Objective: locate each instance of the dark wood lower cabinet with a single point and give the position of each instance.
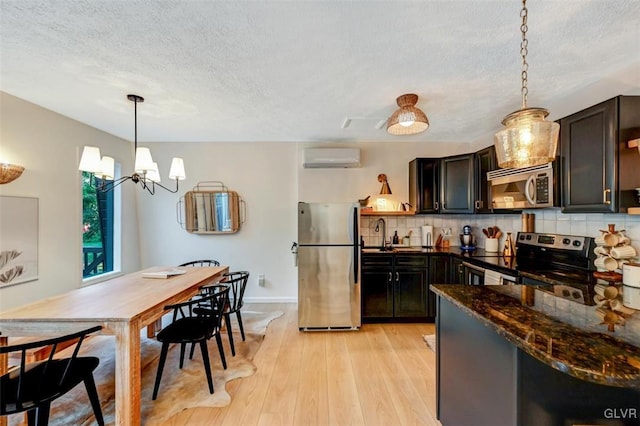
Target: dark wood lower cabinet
(377, 286)
(410, 293)
(395, 288)
(456, 271)
(439, 273)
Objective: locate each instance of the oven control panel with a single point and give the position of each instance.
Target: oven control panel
(553, 241)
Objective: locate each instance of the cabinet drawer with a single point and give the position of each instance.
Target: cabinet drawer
(377, 260)
(420, 261)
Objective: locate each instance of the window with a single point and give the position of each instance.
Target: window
(98, 219)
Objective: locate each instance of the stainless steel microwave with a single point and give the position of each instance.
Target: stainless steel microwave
(526, 188)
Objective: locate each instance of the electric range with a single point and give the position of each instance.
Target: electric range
(558, 264)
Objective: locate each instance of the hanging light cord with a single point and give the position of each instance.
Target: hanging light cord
(135, 127)
(524, 44)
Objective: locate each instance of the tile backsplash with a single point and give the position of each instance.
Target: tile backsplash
(546, 220)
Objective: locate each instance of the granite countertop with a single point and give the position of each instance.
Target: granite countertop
(591, 356)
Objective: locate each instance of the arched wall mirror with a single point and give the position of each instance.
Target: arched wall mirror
(210, 208)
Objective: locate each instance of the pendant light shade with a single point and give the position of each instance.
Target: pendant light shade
(90, 160)
(408, 119)
(528, 139)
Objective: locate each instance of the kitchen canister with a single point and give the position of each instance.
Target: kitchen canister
(631, 285)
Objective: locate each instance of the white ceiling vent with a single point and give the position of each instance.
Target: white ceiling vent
(331, 158)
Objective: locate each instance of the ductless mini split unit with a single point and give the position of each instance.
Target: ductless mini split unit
(331, 158)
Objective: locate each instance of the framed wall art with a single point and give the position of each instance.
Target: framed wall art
(18, 240)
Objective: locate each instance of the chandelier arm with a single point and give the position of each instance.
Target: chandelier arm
(151, 189)
(104, 187)
(167, 189)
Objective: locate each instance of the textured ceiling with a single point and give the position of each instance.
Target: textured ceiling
(295, 70)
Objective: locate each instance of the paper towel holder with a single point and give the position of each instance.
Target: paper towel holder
(427, 236)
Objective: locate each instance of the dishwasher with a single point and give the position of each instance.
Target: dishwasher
(481, 275)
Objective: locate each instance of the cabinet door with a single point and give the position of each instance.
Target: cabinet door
(410, 292)
(457, 271)
(423, 184)
(588, 148)
(377, 293)
(457, 184)
(485, 161)
(439, 273)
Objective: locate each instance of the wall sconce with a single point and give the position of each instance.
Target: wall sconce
(385, 185)
(634, 143)
(9, 172)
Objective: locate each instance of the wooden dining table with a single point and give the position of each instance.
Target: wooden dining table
(122, 306)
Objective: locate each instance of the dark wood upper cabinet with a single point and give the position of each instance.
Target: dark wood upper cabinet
(599, 173)
(424, 178)
(486, 161)
(457, 184)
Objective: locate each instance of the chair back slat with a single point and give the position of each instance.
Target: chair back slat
(205, 262)
(238, 283)
(31, 384)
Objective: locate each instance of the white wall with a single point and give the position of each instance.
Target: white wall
(48, 145)
(264, 175)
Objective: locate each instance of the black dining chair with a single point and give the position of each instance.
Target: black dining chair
(194, 321)
(201, 263)
(31, 387)
(237, 282)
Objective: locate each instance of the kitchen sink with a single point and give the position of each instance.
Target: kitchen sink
(407, 249)
(375, 250)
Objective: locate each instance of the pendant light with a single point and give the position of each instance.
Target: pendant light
(145, 169)
(407, 120)
(527, 139)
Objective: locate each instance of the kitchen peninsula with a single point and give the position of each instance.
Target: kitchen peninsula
(507, 363)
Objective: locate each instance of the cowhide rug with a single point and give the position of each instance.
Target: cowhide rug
(430, 340)
(179, 389)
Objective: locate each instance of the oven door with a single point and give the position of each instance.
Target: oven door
(473, 274)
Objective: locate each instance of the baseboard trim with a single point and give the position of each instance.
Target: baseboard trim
(270, 300)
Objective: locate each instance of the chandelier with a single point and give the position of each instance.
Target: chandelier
(145, 169)
(407, 120)
(527, 139)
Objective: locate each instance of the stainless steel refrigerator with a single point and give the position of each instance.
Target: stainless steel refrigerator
(328, 266)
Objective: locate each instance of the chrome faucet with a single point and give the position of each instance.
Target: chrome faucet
(384, 231)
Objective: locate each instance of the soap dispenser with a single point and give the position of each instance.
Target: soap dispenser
(396, 238)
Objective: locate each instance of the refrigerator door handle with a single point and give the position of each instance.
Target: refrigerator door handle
(355, 264)
(356, 247)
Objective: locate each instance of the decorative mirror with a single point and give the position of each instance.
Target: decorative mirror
(210, 208)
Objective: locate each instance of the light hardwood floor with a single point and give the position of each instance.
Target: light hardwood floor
(381, 375)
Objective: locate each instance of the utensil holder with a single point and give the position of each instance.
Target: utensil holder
(491, 245)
